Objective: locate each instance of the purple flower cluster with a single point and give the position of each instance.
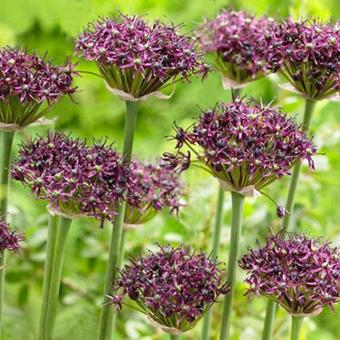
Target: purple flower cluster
(138, 58)
(152, 188)
(173, 286)
(73, 177)
(301, 274)
(308, 55)
(244, 144)
(9, 239)
(240, 42)
(26, 81)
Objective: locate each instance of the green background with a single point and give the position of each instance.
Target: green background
(44, 25)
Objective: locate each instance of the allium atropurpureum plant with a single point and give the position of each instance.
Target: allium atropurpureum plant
(152, 188)
(173, 287)
(9, 239)
(29, 85)
(301, 274)
(136, 58)
(246, 147)
(307, 54)
(239, 43)
(77, 180)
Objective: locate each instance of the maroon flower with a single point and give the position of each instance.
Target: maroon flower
(139, 58)
(239, 42)
(301, 274)
(27, 83)
(244, 145)
(73, 177)
(9, 239)
(308, 55)
(173, 287)
(152, 187)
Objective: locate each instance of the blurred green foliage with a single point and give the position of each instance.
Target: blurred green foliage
(46, 25)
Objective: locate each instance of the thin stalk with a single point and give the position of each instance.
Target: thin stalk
(296, 327)
(116, 247)
(236, 226)
(174, 337)
(6, 148)
(309, 108)
(271, 306)
(269, 320)
(214, 253)
(58, 230)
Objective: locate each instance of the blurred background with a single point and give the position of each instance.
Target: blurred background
(45, 25)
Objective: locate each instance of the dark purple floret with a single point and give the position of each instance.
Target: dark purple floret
(300, 273)
(26, 83)
(240, 42)
(244, 144)
(73, 177)
(152, 187)
(139, 58)
(9, 239)
(173, 286)
(281, 211)
(308, 55)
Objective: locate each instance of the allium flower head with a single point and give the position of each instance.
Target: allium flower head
(245, 145)
(137, 58)
(308, 54)
(301, 274)
(173, 286)
(73, 177)
(9, 239)
(152, 187)
(239, 42)
(29, 85)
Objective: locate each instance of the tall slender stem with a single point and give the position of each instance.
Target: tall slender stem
(174, 337)
(271, 306)
(309, 108)
(236, 226)
(269, 320)
(296, 327)
(214, 253)
(58, 230)
(5, 159)
(107, 312)
(52, 234)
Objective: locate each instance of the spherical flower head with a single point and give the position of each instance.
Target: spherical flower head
(173, 286)
(152, 188)
(29, 85)
(74, 178)
(308, 55)
(138, 58)
(245, 145)
(299, 273)
(9, 239)
(239, 42)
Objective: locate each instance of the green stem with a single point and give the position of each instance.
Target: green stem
(269, 320)
(174, 337)
(296, 327)
(235, 93)
(58, 229)
(214, 253)
(116, 247)
(309, 108)
(52, 234)
(6, 148)
(236, 226)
